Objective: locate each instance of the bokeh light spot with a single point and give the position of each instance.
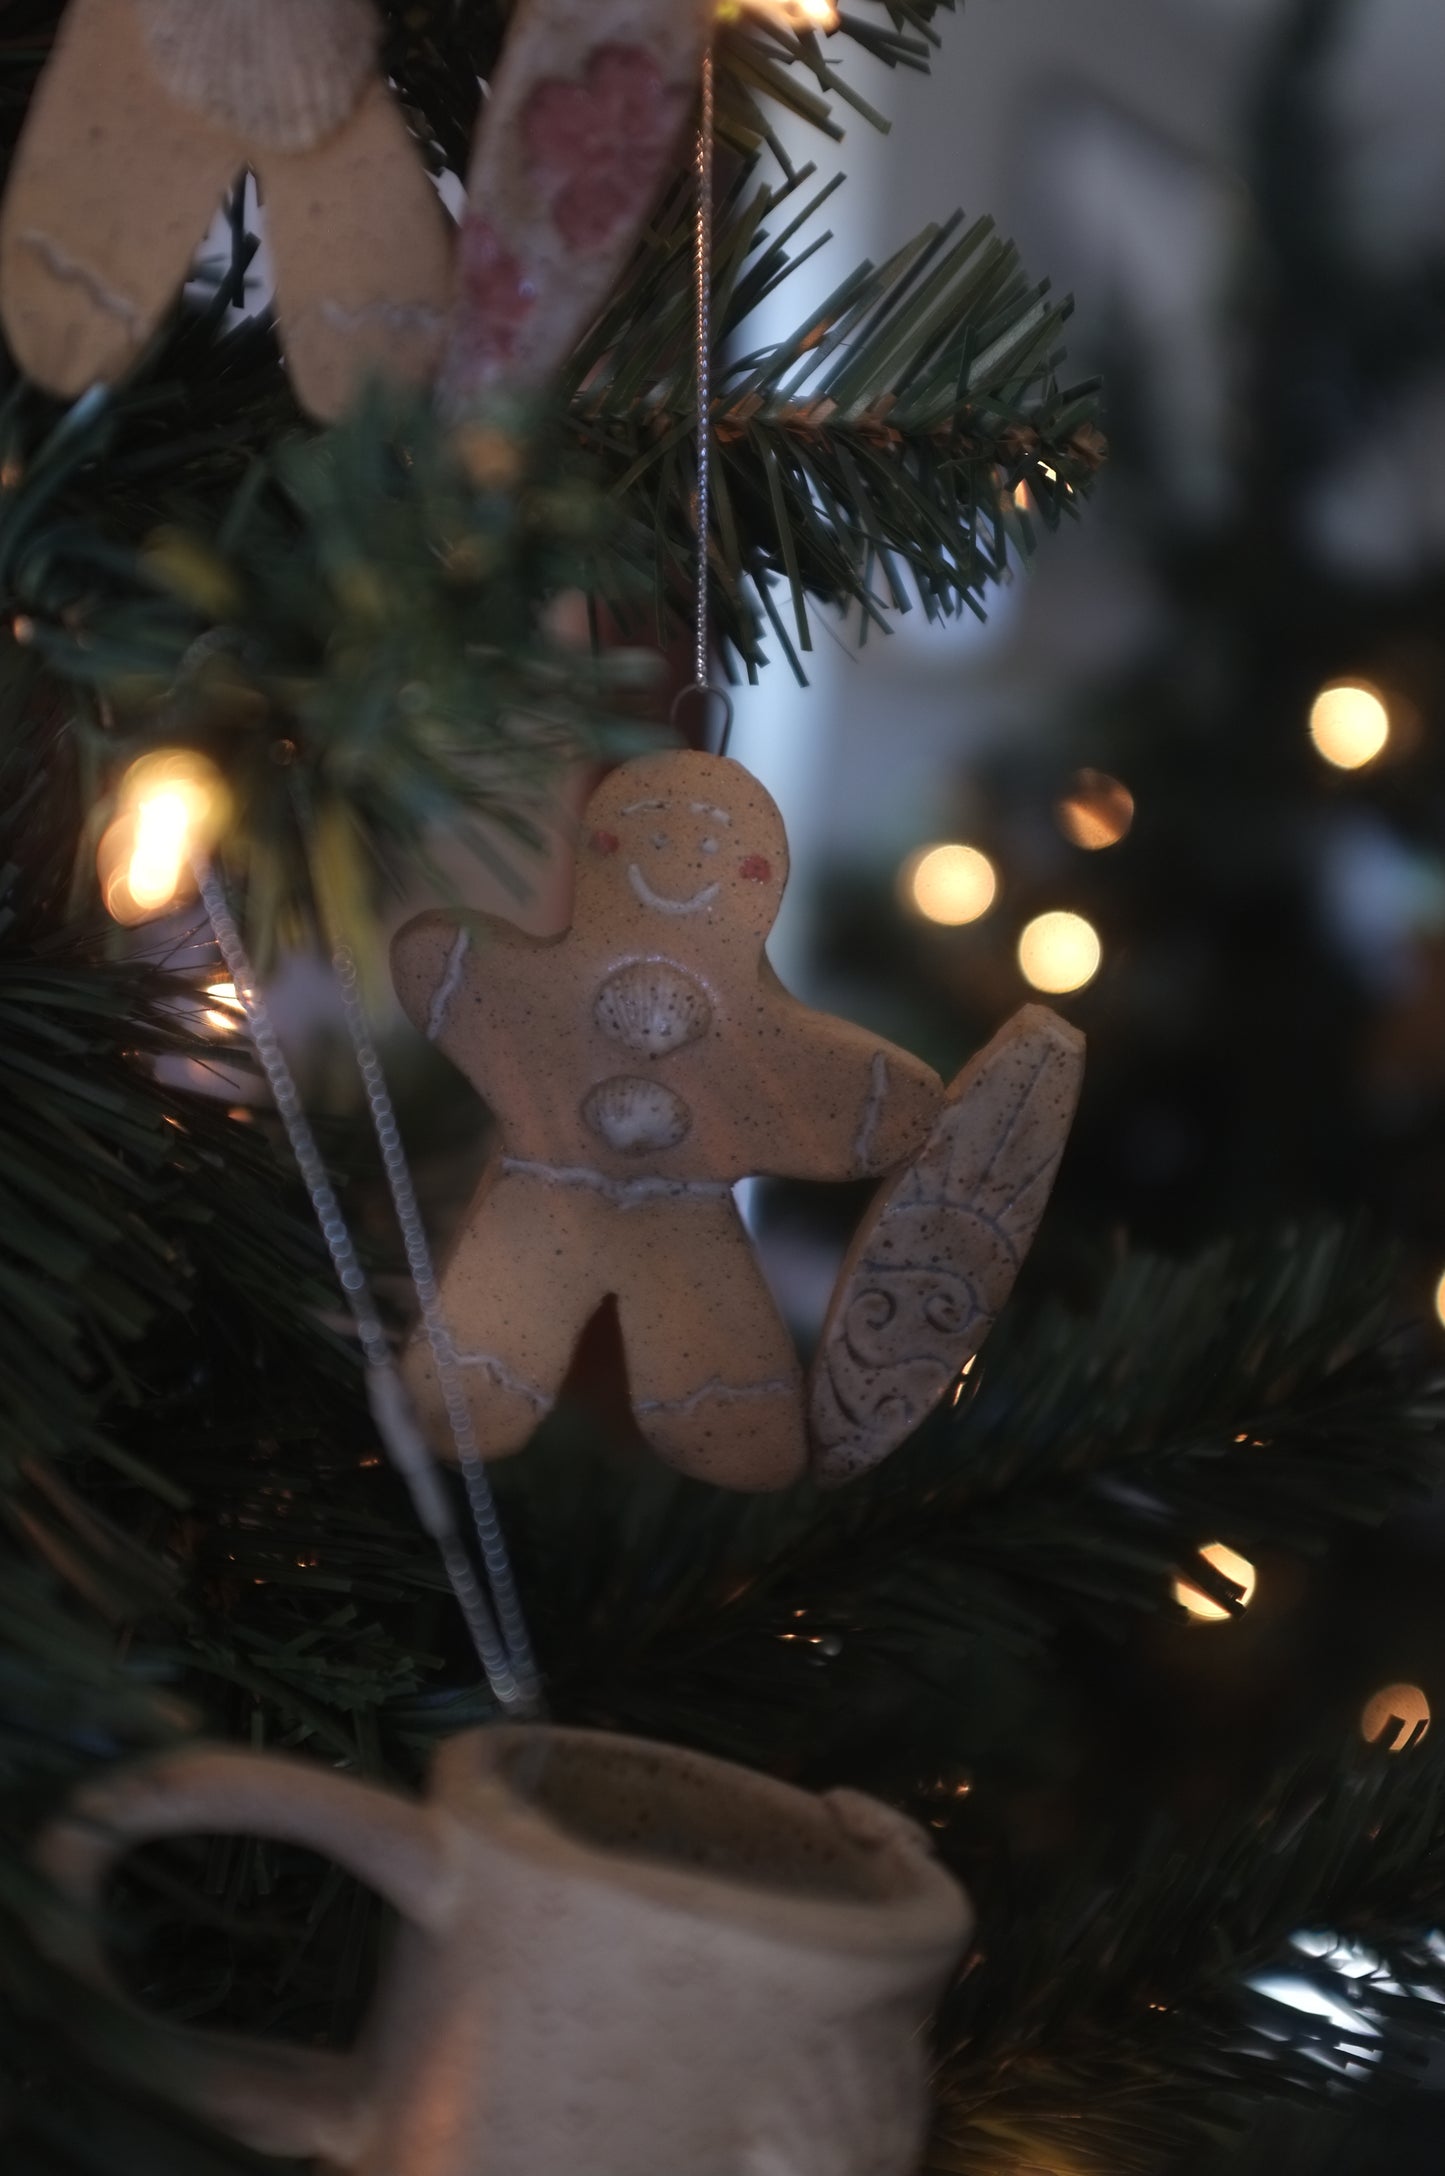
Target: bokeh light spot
(172, 804)
(1395, 1716)
(788, 14)
(1233, 1566)
(1096, 812)
(1349, 724)
(1059, 952)
(950, 884)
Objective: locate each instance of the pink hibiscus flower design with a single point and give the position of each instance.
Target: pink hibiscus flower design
(599, 147)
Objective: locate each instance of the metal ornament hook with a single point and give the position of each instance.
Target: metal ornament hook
(703, 692)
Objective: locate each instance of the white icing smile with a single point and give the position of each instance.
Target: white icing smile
(664, 905)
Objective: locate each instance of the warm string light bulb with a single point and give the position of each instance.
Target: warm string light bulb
(172, 805)
(785, 14)
(1440, 1302)
(225, 1013)
(950, 884)
(1234, 1567)
(1402, 1710)
(1059, 952)
(158, 854)
(1349, 724)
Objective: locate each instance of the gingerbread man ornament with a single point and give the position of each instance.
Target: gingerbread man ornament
(147, 112)
(637, 1067)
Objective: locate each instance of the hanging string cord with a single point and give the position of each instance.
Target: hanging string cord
(702, 234)
(702, 292)
(700, 686)
(387, 1395)
(490, 1538)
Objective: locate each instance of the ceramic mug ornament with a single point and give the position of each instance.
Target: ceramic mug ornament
(612, 1955)
(146, 114)
(644, 1061)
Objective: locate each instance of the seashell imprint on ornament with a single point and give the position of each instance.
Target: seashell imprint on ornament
(146, 114)
(283, 76)
(651, 1007)
(634, 1116)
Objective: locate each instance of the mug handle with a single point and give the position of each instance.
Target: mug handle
(277, 2099)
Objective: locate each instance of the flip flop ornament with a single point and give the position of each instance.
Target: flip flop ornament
(579, 135)
(146, 114)
(149, 111)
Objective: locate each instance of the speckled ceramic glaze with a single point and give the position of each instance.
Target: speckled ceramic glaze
(637, 1067)
(145, 116)
(614, 1957)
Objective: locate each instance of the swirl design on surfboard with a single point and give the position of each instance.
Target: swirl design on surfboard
(937, 1255)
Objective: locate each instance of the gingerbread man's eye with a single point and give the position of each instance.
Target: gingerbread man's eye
(756, 868)
(604, 842)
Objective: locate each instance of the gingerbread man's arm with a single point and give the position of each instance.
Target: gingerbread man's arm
(437, 958)
(834, 1101)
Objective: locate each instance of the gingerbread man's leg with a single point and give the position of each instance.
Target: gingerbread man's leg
(715, 1383)
(521, 1284)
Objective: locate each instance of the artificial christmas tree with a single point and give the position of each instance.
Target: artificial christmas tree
(293, 659)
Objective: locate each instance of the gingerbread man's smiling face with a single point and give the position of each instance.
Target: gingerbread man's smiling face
(682, 842)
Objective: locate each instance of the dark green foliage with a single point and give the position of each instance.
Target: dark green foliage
(1246, 1396)
(351, 627)
(349, 622)
(197, 1531)
(764, 66)
(872, 452)
(841, 1638)
(1094, 2041)
(123, 1203)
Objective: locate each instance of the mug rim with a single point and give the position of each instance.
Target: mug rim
(928, 1913)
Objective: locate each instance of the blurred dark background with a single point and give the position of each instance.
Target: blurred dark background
(1189, 780)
